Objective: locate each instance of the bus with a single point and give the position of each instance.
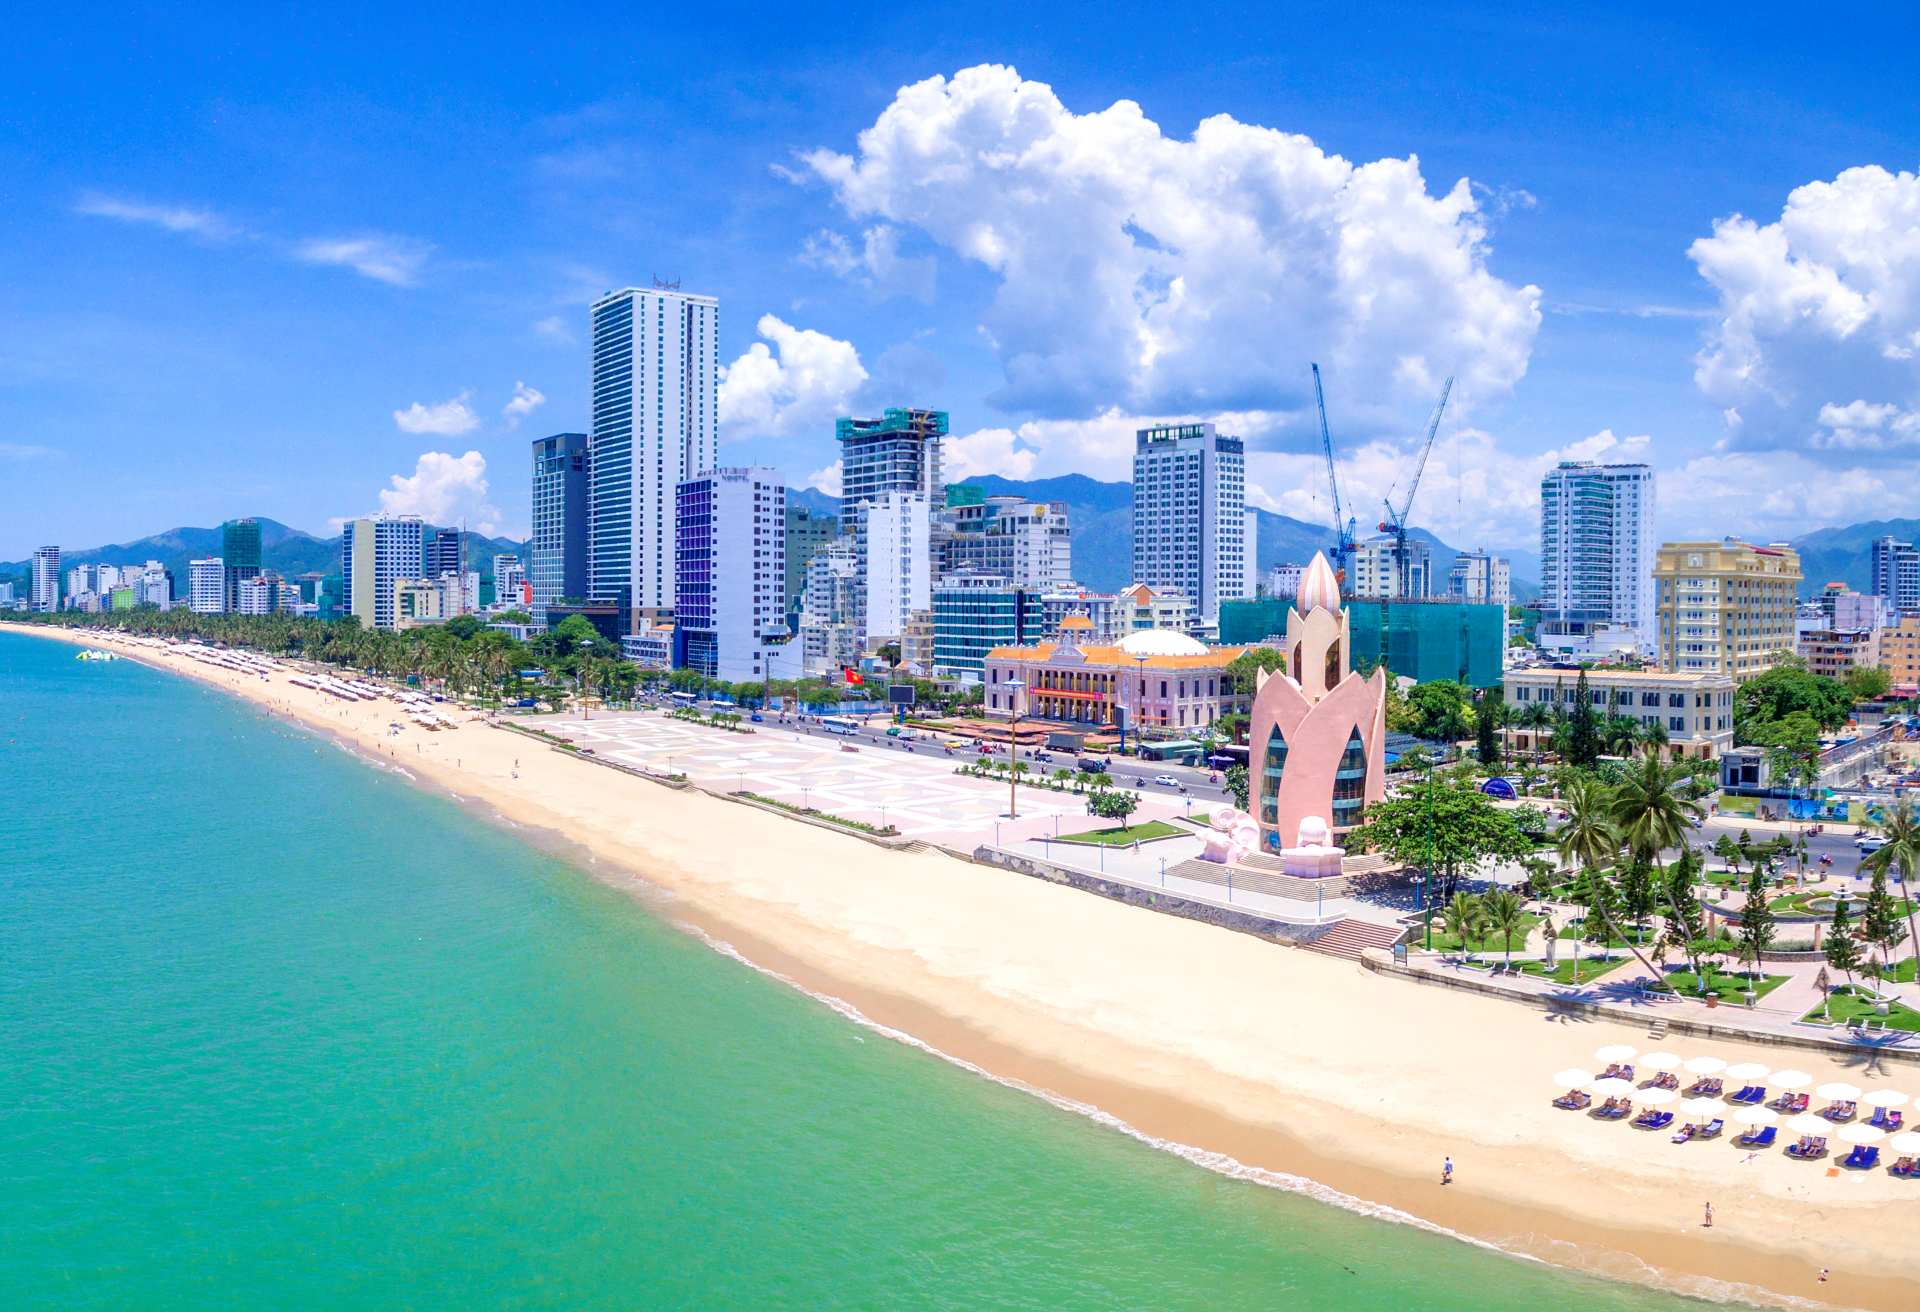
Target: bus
(840, 724)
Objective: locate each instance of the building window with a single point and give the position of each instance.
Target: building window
(1350, 783)
(1275, 768)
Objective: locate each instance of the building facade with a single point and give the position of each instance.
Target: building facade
(1162, 684)
(44, 587)
(557, 550)
(1028, 543)
(1694, 710)
(1900, 654)
(376, 552)
(896, 453)
(730, 566)
(893, 541)
(1725, 607)
(240, 549)
(1189, 514)
(443, 553)
(655, 405)
(975, 613)
(1374, 568)
(1895, 571)
(1478, 576)
(207, 586)
(509, 581)
(808, 531)
(1597, 551)
(1833, 652)
(829, 615)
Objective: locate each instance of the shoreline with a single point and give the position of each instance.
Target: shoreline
(1194, 1039)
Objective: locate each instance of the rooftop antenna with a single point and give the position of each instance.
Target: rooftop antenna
(665, 284)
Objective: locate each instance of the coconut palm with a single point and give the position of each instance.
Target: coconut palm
(1902, 853)
(1653, 815)
(1592, 838)
(1506, 916)
(1464, 918)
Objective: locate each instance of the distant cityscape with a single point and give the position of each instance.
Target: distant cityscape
(684, 563)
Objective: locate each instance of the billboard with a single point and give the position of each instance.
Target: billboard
(899, 694)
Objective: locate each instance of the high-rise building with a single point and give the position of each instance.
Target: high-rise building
(375, 552)
(1477, 576)
(1895, 571)
(830, 611)
(207, 585)
(45, 594)
(1189, 514)
(1725, 607)
(807, 532)
(558, 552)
(240, 549)
(263, 594)
(1596, 551)
(892, 536)
(656, 400)
(1028, 543)
(975, 613)
(1374, 568)
(509, 581)
(1900, 655)
(82, 579)
(154, 586)
(898, 452)
(443, 553)
(730, 566)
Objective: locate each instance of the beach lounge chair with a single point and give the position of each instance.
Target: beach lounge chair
(1760, 1138)
(1574, 1100)
(1615, 1109)
(1685, 1133)
(1811, 1147)
(1906, 1168)
(1789, 1103)
(1884, 1119)
(1712, 1129)
(1666, 1080)
(1864, 1157)
(1840, 1112)
(1706, 1087)
(1752, 1093)
(1650, 1119)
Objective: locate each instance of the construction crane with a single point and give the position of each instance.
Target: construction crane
(1343, 525)
(1396, 521)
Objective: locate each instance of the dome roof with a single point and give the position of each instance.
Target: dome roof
(1319, 586)
(1162, 642)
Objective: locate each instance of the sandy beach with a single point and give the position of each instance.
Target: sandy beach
(1282, 1060)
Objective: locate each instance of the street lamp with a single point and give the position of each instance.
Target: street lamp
(1139, 701)
(1014, 688)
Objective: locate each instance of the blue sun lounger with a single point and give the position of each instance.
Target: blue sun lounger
(1750, 1095)
(1760, 1138)
(1864, 1157)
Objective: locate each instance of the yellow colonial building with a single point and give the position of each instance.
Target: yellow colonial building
(1725, 607)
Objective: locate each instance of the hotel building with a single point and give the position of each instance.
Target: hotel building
(1596, 552)
(1696, 710)
(1725, 607)
(207, 585)
(376, 552)
(1189, 514)
(730, 570)
(557, 564)
(45, 585)
(898, 452)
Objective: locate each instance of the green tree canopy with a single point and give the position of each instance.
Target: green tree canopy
(1782, 691)
(1441, 709)
(1865, 683)
(1444, 824)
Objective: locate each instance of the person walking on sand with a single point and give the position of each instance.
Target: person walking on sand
(1708, 1223)
(1446, 1171)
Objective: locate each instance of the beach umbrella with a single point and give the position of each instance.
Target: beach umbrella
(1573, 1078)
(1615, 1052)
(1750, 1071)
(1907, 1141)
(1659, 1061)
(1886, 1098)
(1756, 1116)
(1707, 1107)
(1655, 1097)
(1859, 1134)
(1839, 1091)
(1613, 1088)
(1707, 1065)
(1791, 1080)
(1808, 1123)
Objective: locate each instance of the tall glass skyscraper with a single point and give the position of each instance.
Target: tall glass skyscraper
(240, 552)
(558, 549)
(656, 400)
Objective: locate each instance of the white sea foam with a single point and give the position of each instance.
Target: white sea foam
(1701, 1287)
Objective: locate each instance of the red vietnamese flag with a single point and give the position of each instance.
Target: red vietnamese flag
(852, 675)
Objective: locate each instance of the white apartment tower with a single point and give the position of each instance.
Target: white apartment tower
(207, 585)
(894, 543)
(1477, 576)
(375, 553)
(730, 565)
(1597, 551)
(1190, 514)
(655, 399)
(45, 595)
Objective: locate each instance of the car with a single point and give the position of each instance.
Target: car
(1166, 781)
(1870, 842)
(894, 732)
(758, 718)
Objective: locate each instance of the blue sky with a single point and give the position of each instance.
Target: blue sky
(276, 268)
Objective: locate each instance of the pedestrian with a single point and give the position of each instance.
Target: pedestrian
(1446, 1171)
(1708, 1223)
(1823, 1275)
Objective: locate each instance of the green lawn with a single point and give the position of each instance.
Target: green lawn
(1145, 832)
(1489, 944)
(1591, 968)
(1729, 985)
(1797, 902)
(1844, 1005)
(1200, 818)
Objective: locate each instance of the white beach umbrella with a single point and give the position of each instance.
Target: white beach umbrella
(1839, 1091)
(1707, 1107)
(1907, 1141)
(1659, 1061)
(1756, 1116)
(1886, 1098)
(1859, 1134)
(1808, 1123)
(1573, 1078)
(1613, 1088)
(1747, 1070)
(1615, 1052)
(1656, 1097)
(1790, 1080)
(1707, 1065)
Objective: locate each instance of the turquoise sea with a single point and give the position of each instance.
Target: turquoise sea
(279, 1030)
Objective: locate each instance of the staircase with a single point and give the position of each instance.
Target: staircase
(1349, 938)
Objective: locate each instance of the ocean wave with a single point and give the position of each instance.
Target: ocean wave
(1646, 1275)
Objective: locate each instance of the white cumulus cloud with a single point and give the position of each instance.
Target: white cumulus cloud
(795, 381)
(446, 419)
(825, 480)
(1817, 333)
(1161, 274)
(524, 402)
(444, 489)
(397, 261)
(174, 218)
(878, 264)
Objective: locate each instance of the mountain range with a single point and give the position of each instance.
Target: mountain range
(288, 551)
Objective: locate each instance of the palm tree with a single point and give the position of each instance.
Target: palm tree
(1536, 717)
(1902, 853)
(1463, 917)
(1654, 737)
(1591, 838)
(1505, 916)
(1653, 816)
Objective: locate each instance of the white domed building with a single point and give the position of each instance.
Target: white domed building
(1160, 681)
